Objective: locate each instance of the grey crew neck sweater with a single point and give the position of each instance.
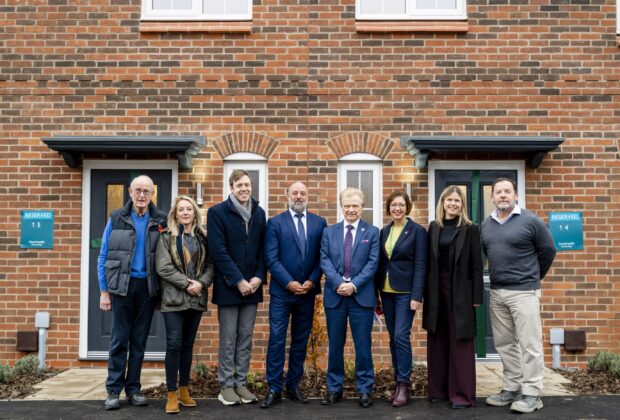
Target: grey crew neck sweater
(520, 251)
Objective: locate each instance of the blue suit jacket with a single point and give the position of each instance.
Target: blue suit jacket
(363, 264)
(283, 253)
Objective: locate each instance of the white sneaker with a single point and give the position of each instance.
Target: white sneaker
(228, 396)
(527, 404)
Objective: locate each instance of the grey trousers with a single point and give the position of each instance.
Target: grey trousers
(236, 328)
(517, 334)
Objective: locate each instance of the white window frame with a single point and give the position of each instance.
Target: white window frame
(88, 166)
(459, 13)
(363, 162)
(618, 17)
(248, 162)
(195, 13)
(484, 165)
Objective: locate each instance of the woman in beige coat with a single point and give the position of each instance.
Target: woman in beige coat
(185, 272)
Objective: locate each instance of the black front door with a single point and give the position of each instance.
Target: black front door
(108, 192)
(476, 185)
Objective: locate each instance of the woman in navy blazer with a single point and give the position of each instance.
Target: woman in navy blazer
(400, 283)
(453, 290)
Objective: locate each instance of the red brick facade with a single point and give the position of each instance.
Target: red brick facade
(303, 89)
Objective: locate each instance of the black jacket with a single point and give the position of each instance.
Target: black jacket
(466, 269)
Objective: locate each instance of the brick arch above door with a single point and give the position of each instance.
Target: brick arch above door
(247, 141)
(355, 142)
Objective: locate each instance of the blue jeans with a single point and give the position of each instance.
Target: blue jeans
(360, 320)
(301, 311)
(181, 329)
(131, 323)
(398, 319)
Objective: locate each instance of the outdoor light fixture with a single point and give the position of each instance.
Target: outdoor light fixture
(199, 199)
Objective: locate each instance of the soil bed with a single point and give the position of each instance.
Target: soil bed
(312, 384)
(586, 382)
(23, 385)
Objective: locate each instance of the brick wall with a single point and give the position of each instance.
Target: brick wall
(303, 89)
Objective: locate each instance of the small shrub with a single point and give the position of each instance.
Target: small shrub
(5, 374)
(253, 381)
(28, 365)
(614, 367)
(602, 361)
(202, 370)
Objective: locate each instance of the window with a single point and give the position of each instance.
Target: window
(256, 166)
(363, 171)
(410, 9)
(218, 10)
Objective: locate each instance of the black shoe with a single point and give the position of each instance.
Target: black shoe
(137, 399)
(296, 395)
(459, 405)
(331, 398)
(112, 402)
(365, 399)
(271, 399)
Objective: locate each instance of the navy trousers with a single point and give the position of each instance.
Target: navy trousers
(360, 320)
(398, 319)
(131, 323)
(300, 310)
(181, 329)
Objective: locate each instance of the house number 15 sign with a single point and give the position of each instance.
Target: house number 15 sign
(37, 230)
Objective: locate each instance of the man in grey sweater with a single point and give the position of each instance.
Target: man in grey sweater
(520, 251)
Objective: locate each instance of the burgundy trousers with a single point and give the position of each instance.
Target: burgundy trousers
(451, 362)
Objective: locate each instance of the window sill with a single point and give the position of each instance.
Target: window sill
(210, 27)
(412, 26)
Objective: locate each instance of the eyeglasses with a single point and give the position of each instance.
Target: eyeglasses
(139, 192)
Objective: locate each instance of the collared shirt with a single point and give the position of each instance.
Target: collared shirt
(515, 210)
(303, 220)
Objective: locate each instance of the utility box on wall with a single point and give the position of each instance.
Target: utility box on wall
(575, 340)
(27, 341)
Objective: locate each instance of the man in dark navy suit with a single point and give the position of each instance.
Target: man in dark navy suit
(292, 251)
(349, 258)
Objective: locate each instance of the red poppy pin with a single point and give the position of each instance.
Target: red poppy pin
(160, 228)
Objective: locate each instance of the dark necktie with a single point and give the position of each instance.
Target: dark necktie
(348, 252)
(302, 233)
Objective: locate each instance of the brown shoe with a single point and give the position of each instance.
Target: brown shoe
(402, 395)
(184, 399)
(172, 405)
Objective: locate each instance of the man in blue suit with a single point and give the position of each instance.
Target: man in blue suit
(292, 251)
(349, 258)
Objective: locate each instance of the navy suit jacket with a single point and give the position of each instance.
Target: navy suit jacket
(363, 265)
(283, 252)
(407, 267)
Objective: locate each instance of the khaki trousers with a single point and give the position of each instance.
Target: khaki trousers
(517, 334)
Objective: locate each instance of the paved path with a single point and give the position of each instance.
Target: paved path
(89, 384)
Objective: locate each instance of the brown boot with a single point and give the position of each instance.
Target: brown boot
(184, 399)
(402, 395)
(172, 405)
